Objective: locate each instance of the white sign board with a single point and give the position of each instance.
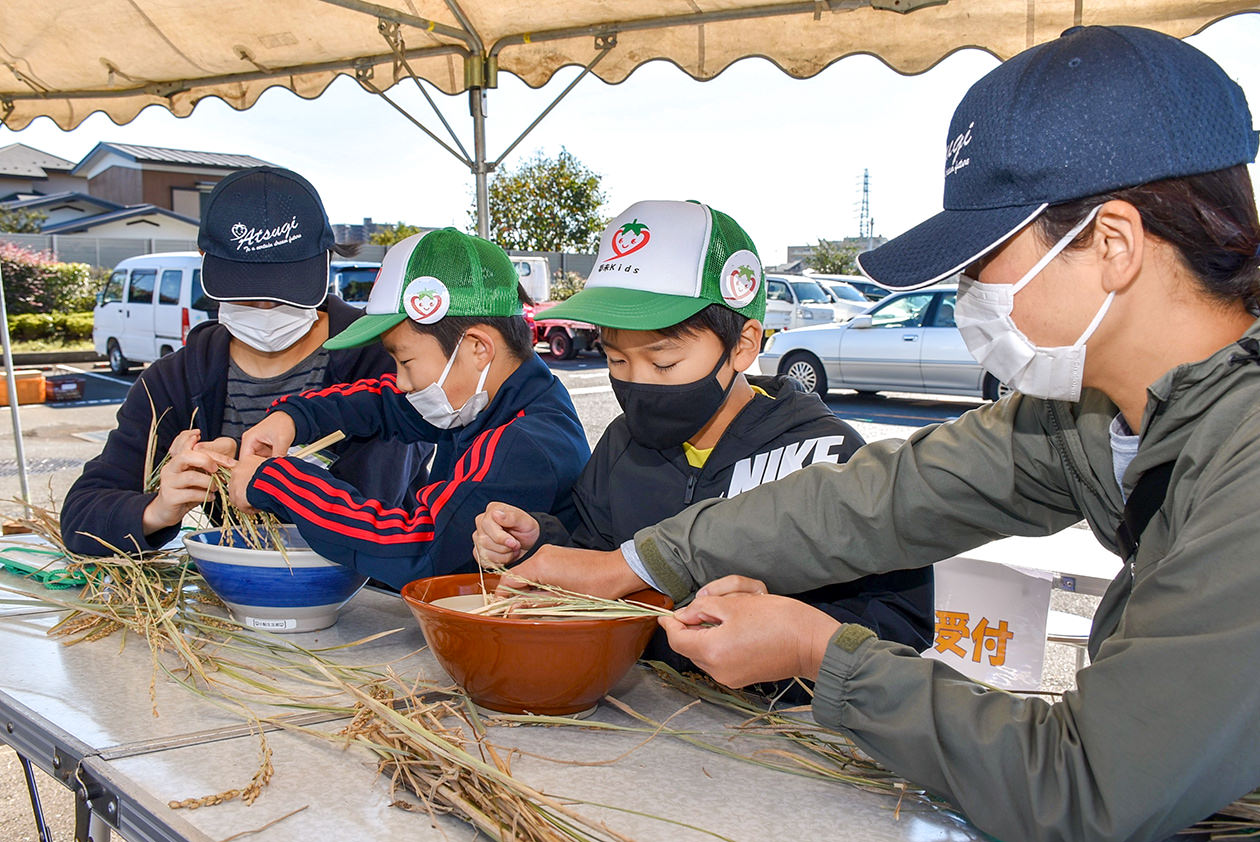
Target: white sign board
(991, 621)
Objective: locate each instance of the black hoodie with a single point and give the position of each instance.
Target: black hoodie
(627, 486)
(108, 500)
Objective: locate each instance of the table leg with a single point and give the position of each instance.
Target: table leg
(40, 825)
(88, 826)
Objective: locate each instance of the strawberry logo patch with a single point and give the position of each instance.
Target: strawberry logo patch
(426, 300)
(628, 239)
(740, 279)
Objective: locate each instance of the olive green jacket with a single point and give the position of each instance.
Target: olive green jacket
(1164, 727)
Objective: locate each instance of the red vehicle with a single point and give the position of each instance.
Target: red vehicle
(564, 337)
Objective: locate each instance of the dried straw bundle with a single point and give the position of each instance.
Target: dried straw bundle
(538, 600)
(437, 751)
(559, 604)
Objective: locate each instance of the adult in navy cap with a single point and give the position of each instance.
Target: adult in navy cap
(1099, 208)
(266, 244)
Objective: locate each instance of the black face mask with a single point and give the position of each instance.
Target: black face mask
(664, 416)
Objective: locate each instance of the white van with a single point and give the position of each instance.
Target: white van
(535, 275)
(147, 307)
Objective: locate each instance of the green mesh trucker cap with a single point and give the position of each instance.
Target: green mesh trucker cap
(661, 262)
(427, 277)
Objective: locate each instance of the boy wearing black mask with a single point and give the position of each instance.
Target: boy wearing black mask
(679, 292)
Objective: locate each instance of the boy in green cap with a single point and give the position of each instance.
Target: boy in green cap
(447, 307)
(679, 292)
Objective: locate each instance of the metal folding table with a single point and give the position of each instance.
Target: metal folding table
(83, 714)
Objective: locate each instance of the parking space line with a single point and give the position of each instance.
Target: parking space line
(118, 380)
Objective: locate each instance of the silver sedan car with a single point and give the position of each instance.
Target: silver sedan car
(906, 343)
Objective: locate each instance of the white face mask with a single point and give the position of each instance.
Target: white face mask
(983, 315)
(435, 407)
(270, 329)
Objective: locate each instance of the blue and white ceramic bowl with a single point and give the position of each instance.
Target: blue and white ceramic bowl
(265, 590)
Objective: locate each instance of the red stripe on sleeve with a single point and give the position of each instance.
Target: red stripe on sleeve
(478, 466)
(340, 528)
(389, 519)
(292, 469)
(494, 442)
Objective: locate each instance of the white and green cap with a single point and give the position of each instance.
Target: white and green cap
(661, 262)
(427, 277)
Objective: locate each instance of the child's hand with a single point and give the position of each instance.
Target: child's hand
(504, 534)
(242, 475)
(184, 481)
(743, 638)
(603, 574)
(272, 436)
(225, 445)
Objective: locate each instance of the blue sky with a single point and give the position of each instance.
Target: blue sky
(783, 156)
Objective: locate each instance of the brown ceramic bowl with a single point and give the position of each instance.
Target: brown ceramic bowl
(549, 667)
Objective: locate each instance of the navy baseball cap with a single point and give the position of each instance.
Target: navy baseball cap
(1098, 109)
(266, 237)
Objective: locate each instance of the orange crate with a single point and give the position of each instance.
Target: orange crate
(30, 386)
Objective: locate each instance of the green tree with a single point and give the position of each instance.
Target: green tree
(828, 258)
(390, 234)
(22, 221)
(546, 204)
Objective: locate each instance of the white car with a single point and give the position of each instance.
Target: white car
(863, 284)
(795, 300)
(906, 343)
(848, 301)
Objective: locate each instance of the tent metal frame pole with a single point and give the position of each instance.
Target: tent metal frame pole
(477, 106)
(371, 86)
(814, 7)
(479, 164)
(11, 382)
(605, 48)
(423, 24)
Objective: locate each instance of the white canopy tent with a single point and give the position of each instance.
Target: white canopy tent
(65, 59)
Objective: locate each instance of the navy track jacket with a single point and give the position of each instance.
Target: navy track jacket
(190, 387)
(526, 448)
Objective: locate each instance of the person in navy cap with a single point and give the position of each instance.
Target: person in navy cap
(1098, 206)
(266, 243)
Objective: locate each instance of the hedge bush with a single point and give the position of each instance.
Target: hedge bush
(35, 283)
(62, 327)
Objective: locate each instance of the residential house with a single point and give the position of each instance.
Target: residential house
(26, 171)
(130, 222)
(176, 180)
(120, 200)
